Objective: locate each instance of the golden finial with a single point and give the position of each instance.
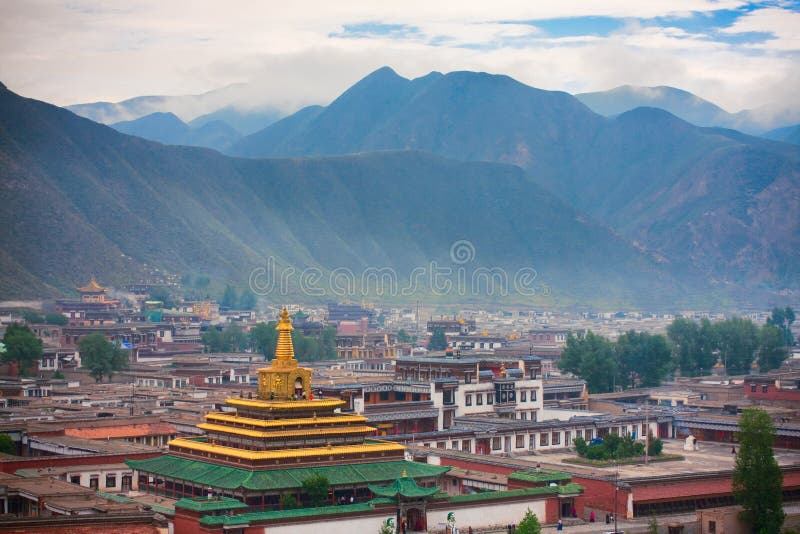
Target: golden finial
(503, 369)
(404, 475)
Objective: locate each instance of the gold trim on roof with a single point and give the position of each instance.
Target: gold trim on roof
(92, 287)
(279, 434)
(284, 351)
(286, 405)
(286, 453)
(278, 423)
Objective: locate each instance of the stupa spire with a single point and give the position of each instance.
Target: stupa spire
(284, 351)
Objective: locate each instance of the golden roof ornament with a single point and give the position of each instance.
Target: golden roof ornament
(284, 351)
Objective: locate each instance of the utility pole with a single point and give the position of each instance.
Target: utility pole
(647, 432)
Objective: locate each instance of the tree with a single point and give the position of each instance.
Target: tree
(212, 339)
(229, 298)
(233, 339)
(771, 349)
(317, 488)
(7, 444)
(101, 357)
(32, 317)
(757, 478)
(438, 340)
(56, 319)
(692, 352)
(592, 358)
(248, 300)
(642, 356)
(163, 294)
(654, 445)
(736, 339)
(403, 337)
(21, 346)
(263, 338)
(529, 524)
(289, 502)
(783, 319)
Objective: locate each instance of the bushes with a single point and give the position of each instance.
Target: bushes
(615, 447)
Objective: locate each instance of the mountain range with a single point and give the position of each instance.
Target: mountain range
(643, 208)
(82, 198)
(168, 129)
(688, 107)
(697, 198)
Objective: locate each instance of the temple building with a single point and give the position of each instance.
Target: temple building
(259, 449)
(93, 308)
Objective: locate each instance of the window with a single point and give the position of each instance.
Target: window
(556, 438)
(752, 388)
(111, 481)
(465, 445)
(496, 443)
(490, 398)
(523, 396)
(448, 397)
(468, 399)
(520, 444)
(75, 479)
(579, 433)
(523, 415)
(94, 482)
(589, 434)
(543, 440)
(479, 399)
(764, 388)
(712, 527)
(468, 378)
(384, 395)
(533, 395)
(567, 438)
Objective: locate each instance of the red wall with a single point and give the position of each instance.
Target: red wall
(599, 494)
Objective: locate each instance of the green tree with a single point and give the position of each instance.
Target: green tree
(21, 346)
(592, 358)
(56, 319)
(771, 349)
(7, 444)
(317, 488)
(580, 446)
(692, 352)
(229, 298)
(529, 524)
(163, 294)
(757, 478)
(654, 445)
(737, 340)
(233, 339)
(101, 357)
(248, 301)
(652, 525)
(783, 319)
(403, 337)
(642, 356)
(438, 340)
(289, 502)
(263, 338)
(212, 340)
(32, 317)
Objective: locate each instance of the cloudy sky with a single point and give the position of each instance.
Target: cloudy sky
(736, 54)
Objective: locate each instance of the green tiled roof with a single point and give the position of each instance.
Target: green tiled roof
(218, 476)
(545, 476)
(243, 519)
(283, 514)
(493, 495)
(404, 486)
(204, 504)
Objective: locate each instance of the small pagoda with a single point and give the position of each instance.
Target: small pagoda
(263, 447)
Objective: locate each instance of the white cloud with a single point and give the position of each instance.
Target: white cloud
(783, 24)
(293, 55)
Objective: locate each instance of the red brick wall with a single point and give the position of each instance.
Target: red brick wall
(599, 495)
